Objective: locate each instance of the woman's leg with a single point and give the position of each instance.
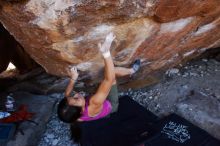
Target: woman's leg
(122, 71)
(113, 94)
(113, 98)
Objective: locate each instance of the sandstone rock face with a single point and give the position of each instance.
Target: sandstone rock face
(12, 51)
(163, 33)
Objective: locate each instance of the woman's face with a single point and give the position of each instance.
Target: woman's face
(77, 100)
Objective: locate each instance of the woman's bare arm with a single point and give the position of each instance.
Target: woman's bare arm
(101, 94)
(73, 77)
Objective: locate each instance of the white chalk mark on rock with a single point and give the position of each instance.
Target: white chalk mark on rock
(204, 28)
(175, 26)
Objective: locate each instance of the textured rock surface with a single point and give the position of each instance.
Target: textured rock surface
(205, 116)
(163, 33)
(12, 51)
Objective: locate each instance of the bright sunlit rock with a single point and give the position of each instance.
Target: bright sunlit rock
(11, 66)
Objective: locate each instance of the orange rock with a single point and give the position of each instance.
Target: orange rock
(162, 33)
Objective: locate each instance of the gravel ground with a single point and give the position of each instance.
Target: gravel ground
(201, 76)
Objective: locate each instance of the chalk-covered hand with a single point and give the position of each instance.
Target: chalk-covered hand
(105, 47)
(74, 73)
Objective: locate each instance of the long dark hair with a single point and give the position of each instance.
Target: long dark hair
(69, 114)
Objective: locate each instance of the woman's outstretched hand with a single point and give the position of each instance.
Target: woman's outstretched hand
(105, 47)
(74, 73)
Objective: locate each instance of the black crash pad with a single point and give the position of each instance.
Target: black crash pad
(173, 130)
(128, 126)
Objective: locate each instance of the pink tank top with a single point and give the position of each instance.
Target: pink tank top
(106, 109)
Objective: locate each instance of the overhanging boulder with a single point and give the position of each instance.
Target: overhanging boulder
(163, 33)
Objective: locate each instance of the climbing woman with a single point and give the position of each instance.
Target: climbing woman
(74, 109)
